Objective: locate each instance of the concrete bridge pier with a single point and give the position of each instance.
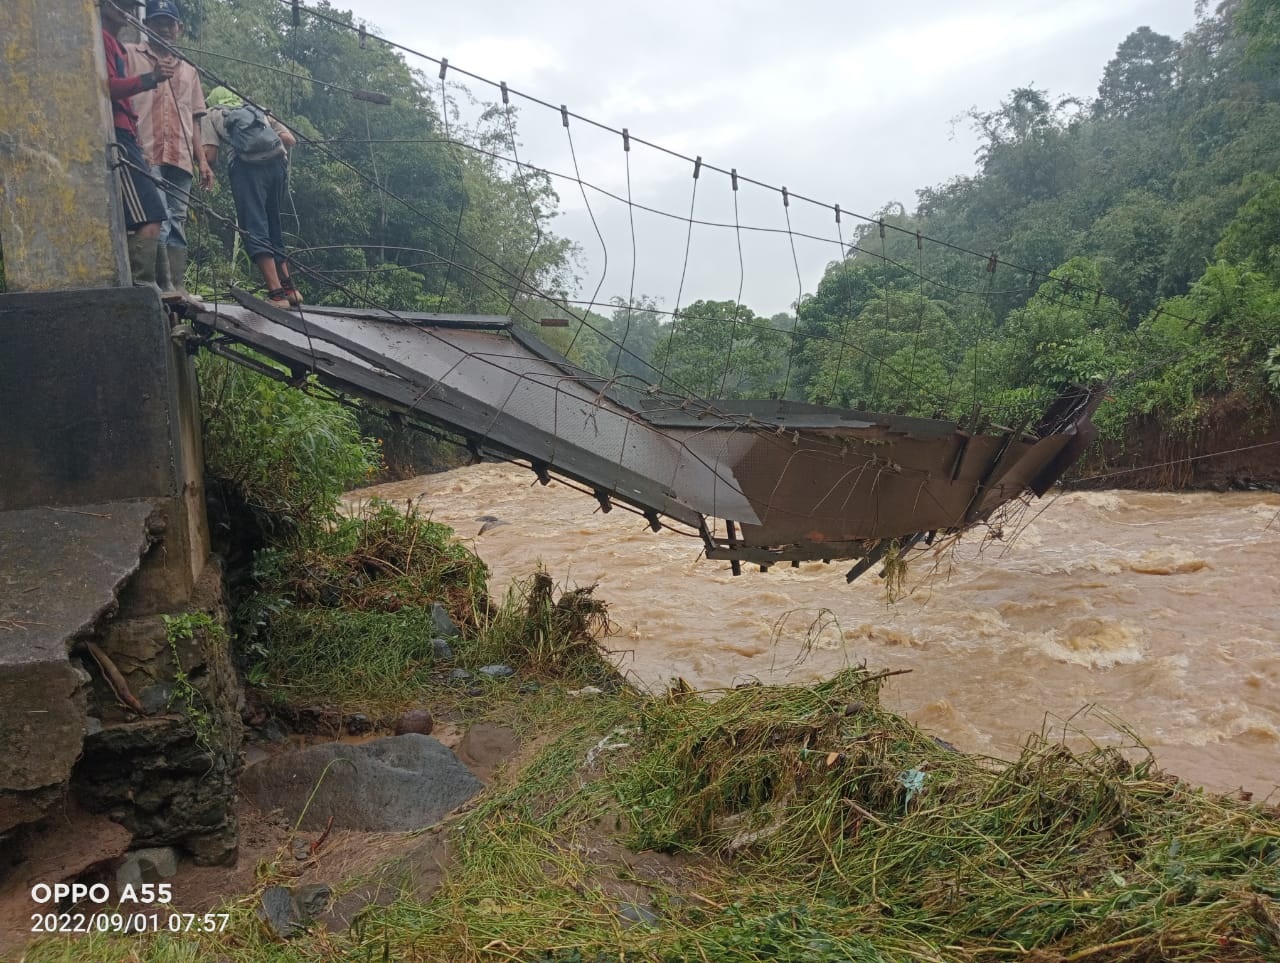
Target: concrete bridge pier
(102, 519)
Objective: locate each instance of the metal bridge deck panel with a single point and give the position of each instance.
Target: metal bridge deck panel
(799, 481)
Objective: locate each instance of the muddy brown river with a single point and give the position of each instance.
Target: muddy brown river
(1160, 612)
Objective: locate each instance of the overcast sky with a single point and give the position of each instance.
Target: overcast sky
(849, 103)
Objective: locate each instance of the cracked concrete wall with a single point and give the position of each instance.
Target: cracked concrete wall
(101, 494)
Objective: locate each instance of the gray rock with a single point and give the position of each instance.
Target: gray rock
(273, 731)
(155, 698)
(288, 911)
(442, 650)
(278, 910)
(312, 900)
(358, 724)
(395, 784)
(444, 625)
(460, 675)
(147, 866)
(496, 671)
(254, 755)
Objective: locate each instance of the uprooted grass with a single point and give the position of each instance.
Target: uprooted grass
(345, 616)
(810, 824)
(944, 855)
(545, 635)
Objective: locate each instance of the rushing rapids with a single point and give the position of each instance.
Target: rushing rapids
(1157, 611)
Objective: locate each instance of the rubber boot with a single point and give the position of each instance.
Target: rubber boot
(177, 258)
(163, 281)
(142, 260)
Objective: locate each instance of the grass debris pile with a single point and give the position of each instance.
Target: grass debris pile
(1080, 855)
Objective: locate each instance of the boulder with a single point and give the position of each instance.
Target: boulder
(396, 784)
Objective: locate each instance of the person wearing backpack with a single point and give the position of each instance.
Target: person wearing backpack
(257, 165)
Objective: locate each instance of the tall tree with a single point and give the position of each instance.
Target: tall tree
(1140, 75)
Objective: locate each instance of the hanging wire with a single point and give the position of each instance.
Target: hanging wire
(319, 14)
(795, 260)
(684, 270)
(631, 224)
(742, 278)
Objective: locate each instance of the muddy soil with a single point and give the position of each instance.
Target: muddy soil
(1237, 446)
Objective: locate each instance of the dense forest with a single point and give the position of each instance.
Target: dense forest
(1132, 236)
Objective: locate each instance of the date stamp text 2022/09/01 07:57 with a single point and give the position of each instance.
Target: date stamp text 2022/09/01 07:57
(138, 908)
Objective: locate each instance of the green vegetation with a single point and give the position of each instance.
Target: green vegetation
(344, 614)
(285, 455)
(1147, 215)
(190, 627)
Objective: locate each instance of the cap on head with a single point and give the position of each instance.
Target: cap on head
(163, 8)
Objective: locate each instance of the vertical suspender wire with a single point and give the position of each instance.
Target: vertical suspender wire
(848, 312)
(737, 302)
(1024, 373)
(377, 180)
(294, 30)
(462, 187)
(915, 342)
(795, 260)
(382, 207)
(631, 223)
(583, 324)
(888, 320)
(684, 269)
(954, 366)
(522, 180)
(293, 39)
(977, 340)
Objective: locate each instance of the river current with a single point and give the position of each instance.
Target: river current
(1157, 612)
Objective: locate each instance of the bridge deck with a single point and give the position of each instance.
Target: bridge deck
(761, 481)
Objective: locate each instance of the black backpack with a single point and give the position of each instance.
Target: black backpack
(251, 135)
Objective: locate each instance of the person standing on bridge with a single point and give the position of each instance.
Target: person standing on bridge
(169, 136)
(144, 209)
(257, 166)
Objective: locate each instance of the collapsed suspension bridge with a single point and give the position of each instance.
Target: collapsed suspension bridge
(759, 481)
